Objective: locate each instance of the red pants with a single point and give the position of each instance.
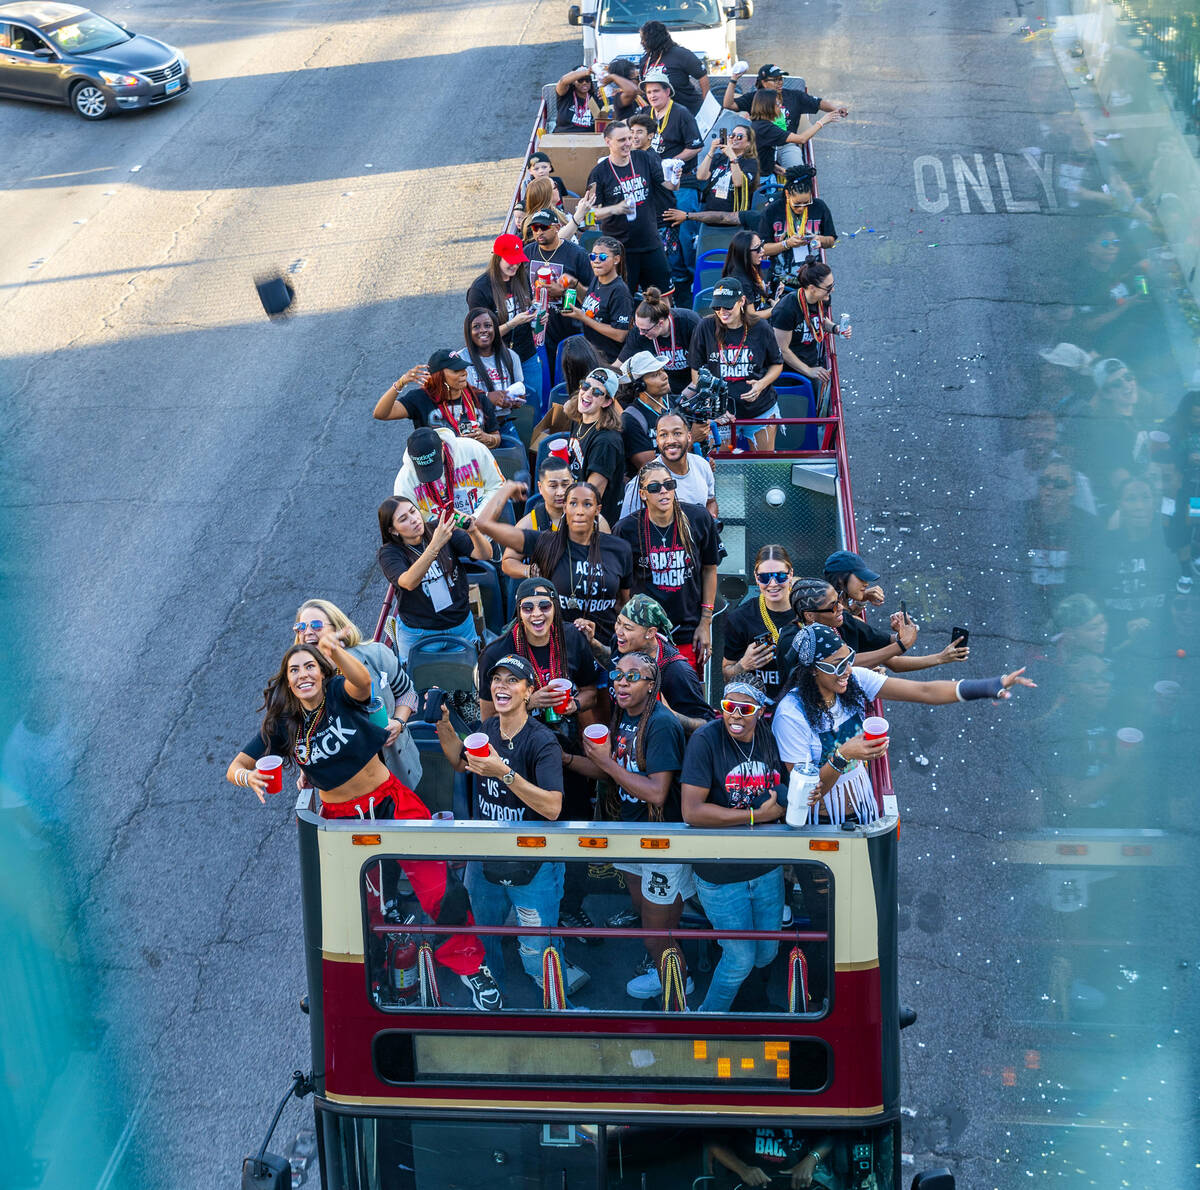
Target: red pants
(689, 651)
(440, 894)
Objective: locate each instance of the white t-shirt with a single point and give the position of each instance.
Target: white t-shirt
(493, 379)
(798, 740)
(698, 486)
(476, 477)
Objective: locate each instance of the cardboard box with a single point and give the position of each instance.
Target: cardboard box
(573, 154)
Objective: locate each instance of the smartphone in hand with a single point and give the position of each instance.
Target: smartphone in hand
(957, 633)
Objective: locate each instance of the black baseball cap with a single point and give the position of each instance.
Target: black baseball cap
(443, 359)
(424, 448)
(545, 217)
(770, 71)
(845, 562)
(515, 665)
(727, 293)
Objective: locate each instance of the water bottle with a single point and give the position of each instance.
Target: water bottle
(630, 208)
(377, 709)
(844, 324)
(804, 779)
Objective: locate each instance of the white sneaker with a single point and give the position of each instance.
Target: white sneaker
(647, 986)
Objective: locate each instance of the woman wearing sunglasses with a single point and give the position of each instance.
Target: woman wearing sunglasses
(743, 260)
(594, 444)
(665, 331)
(733, 777)
(557, 652)
(641, 760)
(675, 553)
(607, 308)
(819, 720)
(731, 169)
(315, 716)
(759, 632)
(802, 324)
(590, 570)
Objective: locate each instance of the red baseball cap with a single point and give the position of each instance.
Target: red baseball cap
(510, 250)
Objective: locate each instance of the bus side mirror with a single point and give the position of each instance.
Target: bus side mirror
(745, 10)
(589, 18)
(934, 1179)
(573, 15)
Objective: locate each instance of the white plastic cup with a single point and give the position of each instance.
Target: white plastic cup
(1128, 738)
(874, 728)
(802, 782)
(740, 67)
(443, 816)
(1166, 696)
(271, 767)
(477, 744)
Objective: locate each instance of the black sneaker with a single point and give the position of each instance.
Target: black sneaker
(624, 919)
(485, 992)
(578, 920)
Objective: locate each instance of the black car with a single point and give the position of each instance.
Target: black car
(58, 53)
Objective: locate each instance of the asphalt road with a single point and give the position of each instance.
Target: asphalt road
(185, 472)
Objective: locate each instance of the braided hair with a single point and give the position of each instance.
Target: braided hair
(439, 393)
(558, 642)
(612, 798)
(802, 681)
(683, 530)
(551, 548)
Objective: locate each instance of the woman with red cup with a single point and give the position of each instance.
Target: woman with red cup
(558, 652)
(641, 760)
(316, 717)
(517, 780)
(820, 718)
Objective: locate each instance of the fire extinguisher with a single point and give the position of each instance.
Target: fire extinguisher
(402, 954)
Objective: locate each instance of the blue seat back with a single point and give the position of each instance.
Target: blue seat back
(708, 264)
(796, 399)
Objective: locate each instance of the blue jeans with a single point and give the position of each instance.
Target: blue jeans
(531, 369)
(509, 435)
(536, 904)
(747, 905)
(407, 637)
(688, 200)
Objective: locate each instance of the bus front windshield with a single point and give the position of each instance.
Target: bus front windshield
(405, 1154)
(628, 16)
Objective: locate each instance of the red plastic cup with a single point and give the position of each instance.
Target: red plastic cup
(1160, 444)
(560, 448)
(1128, 738)
(564, 687)
(597, 733)
(271, 767)
(874, 728)
(477, 744)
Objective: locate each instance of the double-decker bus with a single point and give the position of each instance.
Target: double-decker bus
(585, 1087)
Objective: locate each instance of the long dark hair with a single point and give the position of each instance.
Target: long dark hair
(612, 798)
(282, 712)
(387, 510)
(739, 262)
(577, 360)
(682, 529)
(749, 318)
(802, 682)
(814, 274)
(504, 359)
(655, 38)
(552, 547)
(518, 286)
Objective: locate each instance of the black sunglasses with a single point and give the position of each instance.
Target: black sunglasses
(660, 485)
(542, 605)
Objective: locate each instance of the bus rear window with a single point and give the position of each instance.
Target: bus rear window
(628, 938)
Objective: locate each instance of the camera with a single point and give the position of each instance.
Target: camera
(708, 400)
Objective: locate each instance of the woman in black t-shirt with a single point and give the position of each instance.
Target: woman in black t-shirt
(743, 260)
(802, 324)
(316, 717)
(607, 307)
(442, 399)
(421, 561)
(769, 118)
(734, 344)
(573, 109)
(675, 554)
(731, 170)
(732, 776)
(666, 332)
(589, 569)
(595, 447)
(759, 633)
(519, 780)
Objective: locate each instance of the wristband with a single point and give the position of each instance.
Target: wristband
(970, 689)
(837, 761)
(241, 777)
(899, 643)
(751, 815)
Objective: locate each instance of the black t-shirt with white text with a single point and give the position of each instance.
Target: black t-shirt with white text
(573, 114)
(788, 316)
(743, 624)
(721, 189)
(341, 744)
(813, 220)
(520, 339)
(599, 452)
(746, 355)
(737, 776)
(440, 600)
(452, 416)
(611, 304)
(663, 752)
(663, 568)
(589, 594)
(533, 753)
(673, 345)
(642, 179)
(566, 258)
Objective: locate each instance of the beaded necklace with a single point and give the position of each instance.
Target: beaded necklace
(310, 727)
(765, 612)
(525, 649)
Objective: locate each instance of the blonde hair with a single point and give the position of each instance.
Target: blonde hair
(336, 619)
(539, 196)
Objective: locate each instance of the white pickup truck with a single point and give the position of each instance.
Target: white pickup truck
(706, 27)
